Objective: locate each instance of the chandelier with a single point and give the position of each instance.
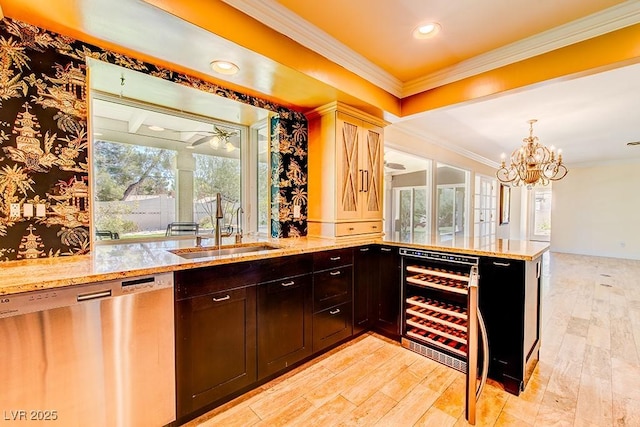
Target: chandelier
(532, 163)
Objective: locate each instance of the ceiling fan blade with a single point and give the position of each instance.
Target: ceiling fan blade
(201, 141)
(396, 166)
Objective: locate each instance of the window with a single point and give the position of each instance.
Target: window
(540, 213)
(452, 202)
(413, 223)
(408, 198)
(155, 167)
(263, 178)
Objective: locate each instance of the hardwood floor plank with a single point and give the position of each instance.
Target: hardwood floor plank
(370, 411)
(410, 409)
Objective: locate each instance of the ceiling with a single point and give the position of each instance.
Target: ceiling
(590, 117)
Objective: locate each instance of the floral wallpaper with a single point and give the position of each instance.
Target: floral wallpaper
(44, 176)
(288, 178)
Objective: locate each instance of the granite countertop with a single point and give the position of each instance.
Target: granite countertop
(121, 260)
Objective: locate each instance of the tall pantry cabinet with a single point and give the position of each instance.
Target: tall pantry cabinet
(345, 172)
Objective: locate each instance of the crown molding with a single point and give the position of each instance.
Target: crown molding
(281, 19)
(608, 20)
(274, 15)
(418, 134)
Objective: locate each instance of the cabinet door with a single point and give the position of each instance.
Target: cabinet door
(348, 168)
(501, 299)
(365, 281)
(215, 347)
(284, 323)
(388, 292)
(371, 158)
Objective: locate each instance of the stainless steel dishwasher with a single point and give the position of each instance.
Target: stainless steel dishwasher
(100, 354)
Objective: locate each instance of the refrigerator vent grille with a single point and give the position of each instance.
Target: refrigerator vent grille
(436, 355)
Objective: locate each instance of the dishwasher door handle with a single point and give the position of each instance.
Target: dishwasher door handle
(94, 295)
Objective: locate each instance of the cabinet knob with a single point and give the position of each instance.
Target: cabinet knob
(224, 298)
(336, 311)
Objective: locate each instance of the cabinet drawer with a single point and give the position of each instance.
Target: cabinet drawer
(355, 228)
(332, 287)
(332, 259)
(207, 280)
(331, 326)
(285, 266)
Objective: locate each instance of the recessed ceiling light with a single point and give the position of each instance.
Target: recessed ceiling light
(224, 67)
(426, 31)
(156, 128)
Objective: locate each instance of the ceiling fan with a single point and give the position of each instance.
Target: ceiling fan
(217, 136)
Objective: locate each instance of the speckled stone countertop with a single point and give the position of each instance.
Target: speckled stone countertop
(117, 261)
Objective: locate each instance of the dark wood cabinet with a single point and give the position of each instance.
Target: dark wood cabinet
(387, 292)
(215, 346)
(332, 297)
(365, 281)
(285, 309)
(509, 299)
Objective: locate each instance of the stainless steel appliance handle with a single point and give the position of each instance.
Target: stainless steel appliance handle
(485, 353)
(94, 295)
(475, 324)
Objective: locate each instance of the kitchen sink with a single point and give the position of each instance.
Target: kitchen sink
(212, 251)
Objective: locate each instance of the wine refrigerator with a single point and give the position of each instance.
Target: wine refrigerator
(441, 319)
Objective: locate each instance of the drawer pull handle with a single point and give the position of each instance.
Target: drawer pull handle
(385, 249)
(374, 227)
(364, 249)
(291, 283)
(351, 228)
(335, 258)
(222, 299)
(335, 273)
(502, 264)
(336, 311)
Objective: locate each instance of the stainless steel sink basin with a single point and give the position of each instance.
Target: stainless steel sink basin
(193, 253)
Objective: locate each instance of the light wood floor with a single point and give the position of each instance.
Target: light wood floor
(588, 374)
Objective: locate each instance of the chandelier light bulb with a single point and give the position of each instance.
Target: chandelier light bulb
(214, 142)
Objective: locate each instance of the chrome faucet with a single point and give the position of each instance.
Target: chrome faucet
(219, 217)
(239, 211)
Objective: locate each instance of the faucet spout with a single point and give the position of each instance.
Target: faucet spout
(219, 217)
(239, 211)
